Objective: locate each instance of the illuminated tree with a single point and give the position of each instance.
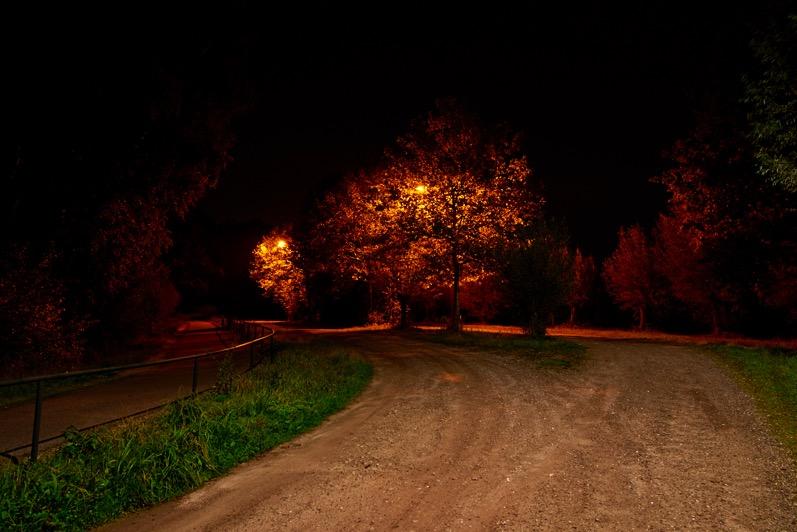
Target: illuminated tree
(629, 274)
(276, 269)
(583, 281)
(451, 197)
(462, 190)
(361, 235)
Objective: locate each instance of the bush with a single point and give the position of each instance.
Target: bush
(538, 278)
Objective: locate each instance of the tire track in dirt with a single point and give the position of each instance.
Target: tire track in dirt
(641, 436)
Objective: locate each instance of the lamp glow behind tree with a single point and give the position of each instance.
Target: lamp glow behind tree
(464, 190)
(276, 269)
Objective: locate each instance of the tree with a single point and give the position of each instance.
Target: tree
(462, 190)
(771, 96)
(34, 330)
(680, 258)
(537, 277)
(129, 149)
(276, 269)
(450, 195)
(629, 273)
(729, 223)
(361, 236)
(583, 281)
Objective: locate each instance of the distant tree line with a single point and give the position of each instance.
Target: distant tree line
(725, 250)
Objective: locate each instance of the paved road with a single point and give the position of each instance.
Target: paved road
(641, 436)
(126, 393)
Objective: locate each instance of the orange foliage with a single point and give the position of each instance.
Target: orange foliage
(629, 273)
(276, 269)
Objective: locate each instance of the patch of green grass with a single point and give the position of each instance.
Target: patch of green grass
(21, 393)
(99, 475)
(546, 352)
(770, 375)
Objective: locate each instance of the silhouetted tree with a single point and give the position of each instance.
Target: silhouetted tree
(740, 231)
(537, 275)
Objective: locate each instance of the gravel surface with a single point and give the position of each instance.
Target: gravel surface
(639, 436)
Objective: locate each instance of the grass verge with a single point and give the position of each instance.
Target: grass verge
(546, 352)
(770, 376)
(97, 476)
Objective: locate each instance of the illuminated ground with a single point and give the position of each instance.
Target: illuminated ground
(640, 436)
(646, 335)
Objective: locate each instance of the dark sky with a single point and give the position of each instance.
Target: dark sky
(598, 90)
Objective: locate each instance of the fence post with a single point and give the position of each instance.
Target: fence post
(37, 421)
(195, 376)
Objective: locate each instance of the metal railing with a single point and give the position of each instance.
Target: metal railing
(258, 339)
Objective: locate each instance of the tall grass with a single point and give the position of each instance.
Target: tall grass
(97, 476)
(770, 375)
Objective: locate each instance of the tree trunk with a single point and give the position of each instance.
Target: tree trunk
(641, 318)
(715, 321)
(456, 321)
(403, 322)
(536, 325)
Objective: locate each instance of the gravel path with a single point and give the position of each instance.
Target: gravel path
(641, 436)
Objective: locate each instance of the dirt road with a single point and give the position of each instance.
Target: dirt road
(641, 436)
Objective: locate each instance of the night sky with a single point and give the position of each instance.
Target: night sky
(598, 91)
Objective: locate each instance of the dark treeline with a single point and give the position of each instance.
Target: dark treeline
(105, 151)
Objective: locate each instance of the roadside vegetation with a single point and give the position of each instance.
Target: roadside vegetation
(546, 352)
(96, 476)
(770, 375)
